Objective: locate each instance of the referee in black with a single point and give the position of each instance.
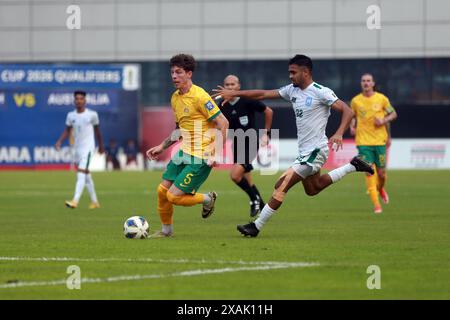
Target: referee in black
(240, 113)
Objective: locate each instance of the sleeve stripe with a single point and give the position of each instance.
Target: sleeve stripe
(214, 115)
(333, 102)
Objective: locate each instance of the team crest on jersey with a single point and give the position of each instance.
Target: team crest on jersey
(209, 105)
(308, 101)
(186, 110)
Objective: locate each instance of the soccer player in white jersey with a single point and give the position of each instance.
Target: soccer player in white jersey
(84, 122)
(312, 103)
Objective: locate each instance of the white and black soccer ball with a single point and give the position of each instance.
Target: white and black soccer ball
(266, 155)
(136, 228)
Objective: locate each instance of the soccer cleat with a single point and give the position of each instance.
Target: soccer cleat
(378, 210)
(208, 208)
(94, 205)
(72, 204)
(160, 234)
(361, 165)
(384, 196)
(248, 229)
(254, 208)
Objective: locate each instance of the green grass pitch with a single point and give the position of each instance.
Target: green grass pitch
(314, 248)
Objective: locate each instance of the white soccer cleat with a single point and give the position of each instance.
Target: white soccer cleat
(160, 234)
(208, 208)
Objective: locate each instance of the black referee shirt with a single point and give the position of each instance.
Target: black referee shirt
(241, 115)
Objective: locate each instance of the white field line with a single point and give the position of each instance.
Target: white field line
(150, 260)
(188, 273)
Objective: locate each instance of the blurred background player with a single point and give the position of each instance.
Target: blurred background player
(83, 122)
(195, 113)
(312, 103)
(112, 155)
(370, 126)
(131, 152)
(240, 113)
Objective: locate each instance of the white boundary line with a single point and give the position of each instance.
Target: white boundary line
(248, 266)
(187, 273)
(149, 260)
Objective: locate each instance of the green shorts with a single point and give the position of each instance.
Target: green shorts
(187, 172)
(373, 154)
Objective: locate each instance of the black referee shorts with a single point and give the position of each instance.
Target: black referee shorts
(244, 155)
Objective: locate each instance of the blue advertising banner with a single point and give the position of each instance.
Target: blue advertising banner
(33, 108)
(14, 76)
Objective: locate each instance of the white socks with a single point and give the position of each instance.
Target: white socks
(264, 216)
(206, 198)
(91, 188)
(84, 180)
(338, 173)
(81, 181)
(167, 228)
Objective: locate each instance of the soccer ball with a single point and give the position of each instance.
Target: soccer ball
(136, 228)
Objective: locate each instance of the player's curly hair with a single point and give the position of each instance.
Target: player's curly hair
(184, 61)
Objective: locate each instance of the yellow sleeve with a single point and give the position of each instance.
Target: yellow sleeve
(208, 107)
(387, 106)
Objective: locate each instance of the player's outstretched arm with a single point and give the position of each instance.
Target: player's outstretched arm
(63, 137)
(175, 135)
(228, 95)
(347, 116)
(98, 135)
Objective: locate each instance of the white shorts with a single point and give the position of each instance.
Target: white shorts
(311, 163)
(83, 159)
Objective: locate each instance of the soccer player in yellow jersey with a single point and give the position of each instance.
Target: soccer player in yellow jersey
(373, 113)
(197, 118)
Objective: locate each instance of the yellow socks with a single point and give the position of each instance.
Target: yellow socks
(382, 182)
(165, 207)
(166, 200)
(186, 200)
(371, 183)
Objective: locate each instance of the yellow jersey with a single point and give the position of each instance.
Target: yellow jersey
(194, 111)
(367, 109)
